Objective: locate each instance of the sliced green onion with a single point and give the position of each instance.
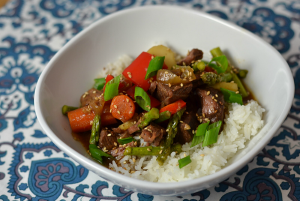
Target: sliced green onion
(163, 117)
(155, 64)
(97, 153)
(65, 109)
(200, 133)
(221, 63)
(212, 133)
(184, 161)
(231, 96)
(142, 98)
(216, 52)
(125, 140)
(111, 89)
(99, 83)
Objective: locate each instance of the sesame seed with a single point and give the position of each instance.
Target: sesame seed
(115, 144)
(215, 100)
(152, 57)
(132, 171)
(129, 76)
(116, 151)
(110, 111)
(206, 119)
(160, 151)
(91, 122)
(237, 92)
(133, 160)
(217, 95)
(170, 85)
(187, 127)
(135, 143)
(202, 155)
(203, 114)
(167, 130)
(181, 121)
(130, 112)
(127, 99)
(166, 72)
(148, 149)
(193, 131)
(124, 162)
(181, 85)
(184, 155)
(115, 106)
(94, 92)
(208, 93)
(109, 134)
(118, 112)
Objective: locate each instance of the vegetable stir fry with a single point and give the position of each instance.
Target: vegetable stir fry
(158, 104)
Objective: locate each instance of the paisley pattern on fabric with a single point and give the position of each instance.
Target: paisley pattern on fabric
(33, 168)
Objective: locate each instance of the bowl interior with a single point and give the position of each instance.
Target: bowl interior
(71, 72)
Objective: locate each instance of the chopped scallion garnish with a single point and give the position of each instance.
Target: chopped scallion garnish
(125, 140)
(111, 89)
(184, 161)
(211, 134)
(232, 97)
(155, 64)
(142, 98)
(199, 135)
(221, 63)
(99, 83)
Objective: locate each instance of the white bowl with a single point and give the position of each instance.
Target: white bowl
(72, 70)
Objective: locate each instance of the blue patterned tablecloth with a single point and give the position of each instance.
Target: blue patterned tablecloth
(33, 168)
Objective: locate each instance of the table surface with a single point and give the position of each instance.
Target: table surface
(32, 31)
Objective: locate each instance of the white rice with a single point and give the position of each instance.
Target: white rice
(241, 123)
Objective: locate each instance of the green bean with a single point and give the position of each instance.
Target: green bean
(65, 109)
(95, 133)
(163, 117)
(172, 131)
(149, 151)
(98, 153)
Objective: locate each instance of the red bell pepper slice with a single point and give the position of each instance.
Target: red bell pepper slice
(173, 107)
(154, 101)
(137, 70)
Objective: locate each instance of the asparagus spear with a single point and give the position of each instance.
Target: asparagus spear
(172, 130)
(163, 116)
(94, 151)
(218, 52)
(98, 153)
(65, 109)
(148, 117)
(95, 130)
(212, 78)
(149, 151)
(242, 73)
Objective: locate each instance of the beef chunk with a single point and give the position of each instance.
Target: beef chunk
(108, 139)
(185, 127)
(153, 134)
(120, 132)
(192, 56)
(152, 87)
(212, 102)
(171, 94)
(90, 96)
(198, 81)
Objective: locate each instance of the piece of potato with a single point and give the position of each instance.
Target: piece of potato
(161, 50)
(226, 85)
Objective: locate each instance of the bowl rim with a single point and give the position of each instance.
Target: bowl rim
(173, 186)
